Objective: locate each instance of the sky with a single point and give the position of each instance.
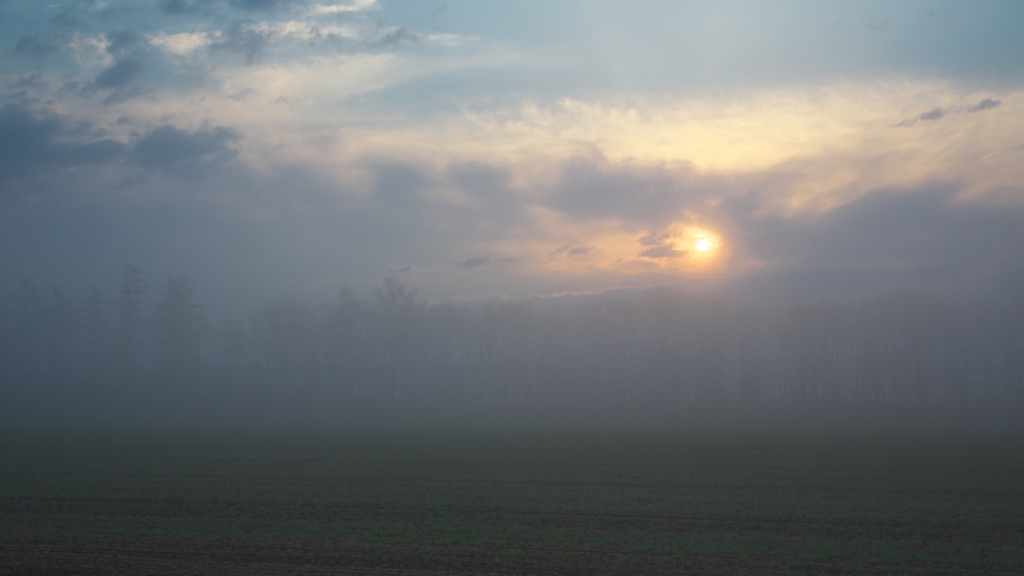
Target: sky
(481, 149)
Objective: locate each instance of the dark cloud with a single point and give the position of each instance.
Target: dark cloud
(653, 239)
(875, 26)
(932, 114)
(395, 37)
(592, 189)
(32, 82)
(481, 179)
(398, 185)
(921, 235)
(40, 44)
(475, 262)
(123, 40)
(183, 7)
(665, 251)
(82, 13)
(263, 5)
(985, 104)
(31, 141)
(120, 74)
(579, 251)
(242, 95)
(489, 189)
(181, 153)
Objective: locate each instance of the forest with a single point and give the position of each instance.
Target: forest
(155, 353)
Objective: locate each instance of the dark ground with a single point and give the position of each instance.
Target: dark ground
(512, 502)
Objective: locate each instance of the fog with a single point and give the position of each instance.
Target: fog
(389, 213)
(151, 355)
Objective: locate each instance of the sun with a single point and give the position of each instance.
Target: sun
(703, 244)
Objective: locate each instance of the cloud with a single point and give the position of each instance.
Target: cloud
(875, 26)
(394, 36)
(475, 262)
(176, 152)
(31, 141)
(183, 43)
(120, 74)
(355, 6)
(924, 236)
(183, 7)
(490, 192)
(243, 37)
(480, 178)
(937, 113)
(398, 185)
(653, 239)
(40, 44)
(263, 5)
(986, 104)
(593, 188)
(124, 39)
(665, 251)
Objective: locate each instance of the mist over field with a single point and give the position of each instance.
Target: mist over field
(240, 213)
(511, 288)
(660, 356)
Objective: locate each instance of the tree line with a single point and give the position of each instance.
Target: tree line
(654, 347)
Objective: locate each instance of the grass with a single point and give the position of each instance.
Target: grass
(512, 502)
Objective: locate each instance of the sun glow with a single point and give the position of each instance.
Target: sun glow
(703, 244)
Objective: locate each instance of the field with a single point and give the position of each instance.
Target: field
(511, 502)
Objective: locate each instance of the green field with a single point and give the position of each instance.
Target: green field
(512, 502)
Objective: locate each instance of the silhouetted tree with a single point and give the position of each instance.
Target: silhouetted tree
(345, 343)
(129, 307)
(93, 329)
(28, 304)
(61, 325)
(177, 327)
(397, 316)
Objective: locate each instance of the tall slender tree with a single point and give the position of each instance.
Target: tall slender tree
(129, 306)
(177, 328)
(28, 307)
(61, 325)
(398, 316)
(93, 330)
